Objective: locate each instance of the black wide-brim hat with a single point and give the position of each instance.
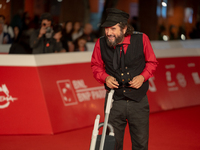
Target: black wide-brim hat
(115, 16)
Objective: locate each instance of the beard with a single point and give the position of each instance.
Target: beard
(117, 40)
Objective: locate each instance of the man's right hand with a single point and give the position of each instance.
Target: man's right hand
(111, 82)
(42, 31)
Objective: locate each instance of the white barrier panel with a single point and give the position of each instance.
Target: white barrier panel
(4, 48)
(157, 45)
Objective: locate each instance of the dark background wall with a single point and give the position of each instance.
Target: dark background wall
(81, 10)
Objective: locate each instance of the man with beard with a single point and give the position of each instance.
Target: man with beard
(124, 60)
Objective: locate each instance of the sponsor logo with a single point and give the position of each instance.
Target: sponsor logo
(5, 98)
(174, 84)
(67, 92)
(76, 91)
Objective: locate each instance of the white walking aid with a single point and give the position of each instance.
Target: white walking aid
(105, 125)
(107, 112)
(95, 133)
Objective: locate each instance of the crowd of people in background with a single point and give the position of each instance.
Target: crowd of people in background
(35, 36)
(178, 32)
(42, 35)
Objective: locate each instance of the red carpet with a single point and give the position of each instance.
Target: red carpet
(175, 130)
(170, 130)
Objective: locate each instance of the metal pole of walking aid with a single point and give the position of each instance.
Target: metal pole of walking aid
(95, 133)
(107, 112)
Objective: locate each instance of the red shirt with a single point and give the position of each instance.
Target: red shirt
(97, 63)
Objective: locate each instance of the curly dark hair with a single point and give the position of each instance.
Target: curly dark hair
(129, 30)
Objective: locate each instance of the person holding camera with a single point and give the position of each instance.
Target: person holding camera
(41, 40)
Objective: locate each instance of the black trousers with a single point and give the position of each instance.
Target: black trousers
(136, 114)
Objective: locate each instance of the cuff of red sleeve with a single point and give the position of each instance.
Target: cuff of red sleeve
(145, 75)
(103, 77)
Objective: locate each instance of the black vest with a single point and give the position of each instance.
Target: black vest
(134, 65)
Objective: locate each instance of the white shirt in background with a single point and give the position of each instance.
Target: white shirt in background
(9, 30)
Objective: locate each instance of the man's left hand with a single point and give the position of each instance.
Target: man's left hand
(137, 82)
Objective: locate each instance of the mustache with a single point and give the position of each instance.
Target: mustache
(111, 36)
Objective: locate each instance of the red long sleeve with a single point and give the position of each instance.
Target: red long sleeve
(97, 64)
(150, 58)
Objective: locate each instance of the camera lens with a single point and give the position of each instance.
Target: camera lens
(48, 30)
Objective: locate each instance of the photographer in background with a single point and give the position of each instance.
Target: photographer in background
(41, 40)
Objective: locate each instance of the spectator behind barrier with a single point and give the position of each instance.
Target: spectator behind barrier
(80, 44)
(57, 36)
(67, 36)
(6, 28)
(67, 31)
(4, 37)
(21, 44)
(17, 34)
(195, 34)
(172, 32)
(88, 33)
(41, 40)
(77, 31)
